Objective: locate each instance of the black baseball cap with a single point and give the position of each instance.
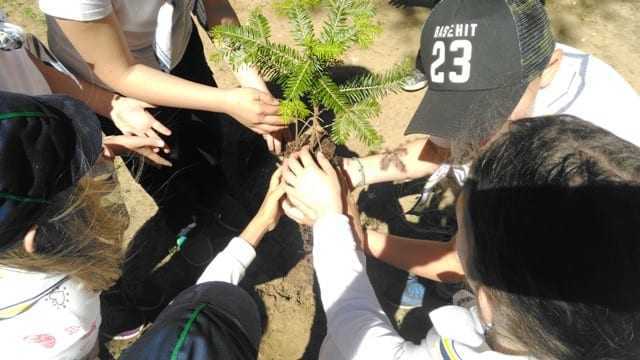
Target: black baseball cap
(47, 143)
(479, 56)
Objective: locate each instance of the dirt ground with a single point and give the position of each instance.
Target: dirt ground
(281, 276)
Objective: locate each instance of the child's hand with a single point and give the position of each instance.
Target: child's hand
(271, 209)
(257, 110)
(130, 116)
(269, 214)
(124, 144)
(314, 190)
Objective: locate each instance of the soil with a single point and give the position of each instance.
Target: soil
(282, 275)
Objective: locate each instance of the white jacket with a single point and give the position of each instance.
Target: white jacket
(358, 328)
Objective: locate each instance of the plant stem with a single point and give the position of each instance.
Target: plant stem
(316, 128)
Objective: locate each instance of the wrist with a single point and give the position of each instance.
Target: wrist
(255, 231)
(224, 100)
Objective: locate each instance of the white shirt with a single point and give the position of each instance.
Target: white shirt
(357, 327)
(63, 324)
(230, 264)
(156, 31)
(588, 88)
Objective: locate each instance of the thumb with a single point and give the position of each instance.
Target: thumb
(275, 179)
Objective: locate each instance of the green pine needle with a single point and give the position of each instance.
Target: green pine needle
(271, 59)
(302, 71)
(328, 94)
(302, 25)
(355, 121)
(300, 81)
(293, 110)
(327, 52)
(282, 7)
(374, 86)
(338, 21)
(260, 23)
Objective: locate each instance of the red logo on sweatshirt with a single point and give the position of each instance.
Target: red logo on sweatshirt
(45, 340)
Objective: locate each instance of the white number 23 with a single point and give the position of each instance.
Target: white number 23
(462, 61)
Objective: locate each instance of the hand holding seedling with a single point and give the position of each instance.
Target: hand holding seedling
(312, 188)
(269, 213)
(254, 109)
(304, 71)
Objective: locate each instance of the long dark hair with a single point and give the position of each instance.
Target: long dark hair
(554, 208)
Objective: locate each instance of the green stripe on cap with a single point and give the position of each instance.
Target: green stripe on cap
(185, 332)
(23, 114)
(26, 199)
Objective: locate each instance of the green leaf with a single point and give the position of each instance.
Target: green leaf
(350, 22)
(300, 81)
(276, 59)
(365, 30)
(328, 94)
(374, 86)
(337, 22)
(355, 120)
(293, 110)
(272, 60)
(260, 23)
(327, 52)
(302, 25)
(283, 6)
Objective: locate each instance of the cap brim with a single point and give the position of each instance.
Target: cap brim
(86, 126)
(454, 115)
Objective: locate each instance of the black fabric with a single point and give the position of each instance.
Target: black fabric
(47, 143)
(205, 151)
(227, 327)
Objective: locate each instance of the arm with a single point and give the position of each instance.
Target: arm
(230, 264)
(417, 159)
(433, 260)
(357, 326)
(97, 98)
(127, 114)
(113, 64)
(356, 323)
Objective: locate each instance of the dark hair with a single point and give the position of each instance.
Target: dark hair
(554, 208)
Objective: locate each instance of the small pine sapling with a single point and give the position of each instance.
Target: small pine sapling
(302, 71)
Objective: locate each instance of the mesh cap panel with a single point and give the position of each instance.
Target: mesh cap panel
(534, 34)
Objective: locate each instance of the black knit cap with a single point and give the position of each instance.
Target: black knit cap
(47, 143)
(479, 57)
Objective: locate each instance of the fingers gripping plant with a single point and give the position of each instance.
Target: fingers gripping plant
(302, 71)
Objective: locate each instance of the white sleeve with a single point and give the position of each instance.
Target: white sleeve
(230, 264)
(78, 10)
(356, 323)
